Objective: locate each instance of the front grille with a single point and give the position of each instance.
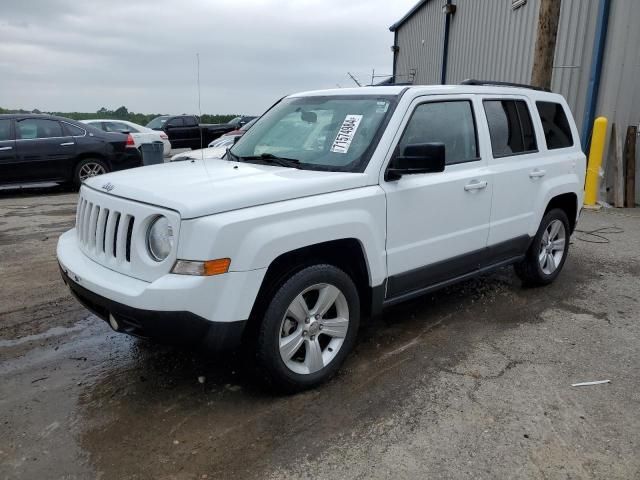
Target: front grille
(112, 230)
(104, 232)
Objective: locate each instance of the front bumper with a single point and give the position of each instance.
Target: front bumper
(173, 327)
(172, 303)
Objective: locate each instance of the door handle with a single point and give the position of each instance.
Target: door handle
(475, 185)
(66, 144)
(537, 173)
(5, 148)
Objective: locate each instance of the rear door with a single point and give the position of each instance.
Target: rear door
(518, 170)
(44, 150)
(8, 172)
(175, 132)
(192, 131)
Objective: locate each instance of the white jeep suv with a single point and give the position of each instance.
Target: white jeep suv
(333, 206)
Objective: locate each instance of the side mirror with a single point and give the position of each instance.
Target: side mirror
(417, 158)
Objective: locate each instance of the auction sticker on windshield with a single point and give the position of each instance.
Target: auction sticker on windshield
(346, 133)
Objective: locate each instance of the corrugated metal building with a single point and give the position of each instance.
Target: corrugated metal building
(495, 39)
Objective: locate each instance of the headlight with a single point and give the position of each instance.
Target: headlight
(160, 239)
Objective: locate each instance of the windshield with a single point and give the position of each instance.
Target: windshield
(336, 133)
(157, 123)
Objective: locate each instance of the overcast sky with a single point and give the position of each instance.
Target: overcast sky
(70, 55)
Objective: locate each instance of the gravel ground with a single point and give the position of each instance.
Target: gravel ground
(470, 382)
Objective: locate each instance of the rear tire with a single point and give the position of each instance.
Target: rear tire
(548, 251)
(308, 328)
(86, 168)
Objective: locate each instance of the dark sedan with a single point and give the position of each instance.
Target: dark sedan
(48, 149)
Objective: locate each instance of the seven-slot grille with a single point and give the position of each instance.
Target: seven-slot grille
(104, 232)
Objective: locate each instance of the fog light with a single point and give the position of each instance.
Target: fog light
(114, 323)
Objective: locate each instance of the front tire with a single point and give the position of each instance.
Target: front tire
(308, 328)
(87, 168)
(548, 251)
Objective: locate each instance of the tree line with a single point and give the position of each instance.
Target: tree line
(121, 113)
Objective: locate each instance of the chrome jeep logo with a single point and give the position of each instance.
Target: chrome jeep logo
(108, 186)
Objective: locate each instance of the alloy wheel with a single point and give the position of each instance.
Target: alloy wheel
(91, 169)
(314, 328)
(552, 247)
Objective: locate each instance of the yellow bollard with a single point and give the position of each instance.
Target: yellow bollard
(595, 161)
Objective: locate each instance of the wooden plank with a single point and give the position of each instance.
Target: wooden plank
(630, 167)
(618, 169)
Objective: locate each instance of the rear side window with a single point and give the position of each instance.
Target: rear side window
(72, 130)
(557, 132)
(175, 122)
(510, 127)
(190, 121)
(451, 123)
(5, 130)
(38, 128)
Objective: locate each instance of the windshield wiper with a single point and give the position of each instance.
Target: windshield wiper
(271, 158)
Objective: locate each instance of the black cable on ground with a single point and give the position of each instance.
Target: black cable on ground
(598, 235)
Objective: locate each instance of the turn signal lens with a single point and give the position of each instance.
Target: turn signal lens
(206, 268)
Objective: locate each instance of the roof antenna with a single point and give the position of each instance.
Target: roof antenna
(354, 79)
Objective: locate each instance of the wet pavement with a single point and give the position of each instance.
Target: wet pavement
(471, 382)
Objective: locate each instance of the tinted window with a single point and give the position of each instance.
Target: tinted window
(190, 121)
(450, 123)
(5, 130)
(557, 131)
(176, 122)
(73, 130)
(510, 127)
(38, 128)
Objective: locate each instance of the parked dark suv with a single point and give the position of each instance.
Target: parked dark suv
(44, 148)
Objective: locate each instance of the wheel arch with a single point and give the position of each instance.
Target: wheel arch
(348, 254)
(86, 155)
(568, 202)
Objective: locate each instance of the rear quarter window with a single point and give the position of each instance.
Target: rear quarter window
(555, 124)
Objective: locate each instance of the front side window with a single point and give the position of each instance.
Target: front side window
(5, 130)
(32, 128)
(555, 125)
(335, 133)
(510, 127)
(448, 122)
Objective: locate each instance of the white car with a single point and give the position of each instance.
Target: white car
(139, 133)
(204, 153)
(337, 204)
(224, 141)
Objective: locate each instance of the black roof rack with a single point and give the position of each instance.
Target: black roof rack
(472, 81)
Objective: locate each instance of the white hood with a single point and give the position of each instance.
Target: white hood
(205, 187)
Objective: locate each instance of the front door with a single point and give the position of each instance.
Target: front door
(438, 223)
(44, 151)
